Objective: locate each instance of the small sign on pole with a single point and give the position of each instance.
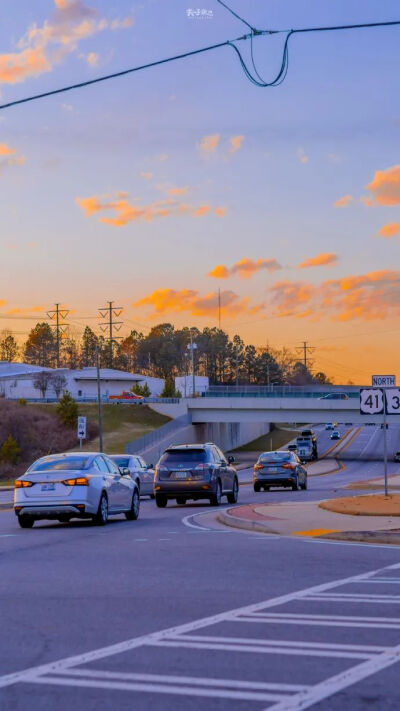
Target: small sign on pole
(383, 381)
(81, 429)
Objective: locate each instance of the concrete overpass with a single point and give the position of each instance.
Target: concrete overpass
(279, 409)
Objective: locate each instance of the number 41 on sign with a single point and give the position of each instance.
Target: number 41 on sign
(371, 401)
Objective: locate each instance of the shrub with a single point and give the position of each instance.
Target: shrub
(169, 389)
(22, 401)
(67, 410)
(143, 390)
(10, 451)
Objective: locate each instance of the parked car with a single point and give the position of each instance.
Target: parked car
(74, 485)
(126, 395)
(397, 457)
(329, 426)
(195, 471)
(334, 396)
(280, 468)
(137, 468)
(336, 434)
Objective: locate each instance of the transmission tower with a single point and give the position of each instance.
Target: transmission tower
(108, 313)
(305, 349)
(58, 315)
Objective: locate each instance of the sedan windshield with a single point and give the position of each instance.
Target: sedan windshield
(121, 461)
(275, 457)
(48, 464)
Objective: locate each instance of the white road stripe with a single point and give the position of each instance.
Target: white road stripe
(307, 616)
(341, 681)
(294, 651)
(157, 688)
(135, 642)
(278, 643)
(190, 680)
(305, 621)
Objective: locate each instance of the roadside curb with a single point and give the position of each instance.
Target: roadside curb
(228, 519)
(6, 506)
(391, 536)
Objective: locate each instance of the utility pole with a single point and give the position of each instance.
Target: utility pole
(305, 350)
(109, 312)
(99, 412)
(219, 309)
(192, 346)
(58, 315)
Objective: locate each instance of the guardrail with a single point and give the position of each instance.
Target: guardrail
(289, 391)
(153, 438)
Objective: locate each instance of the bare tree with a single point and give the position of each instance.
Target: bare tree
(42, 380)
(58, 383)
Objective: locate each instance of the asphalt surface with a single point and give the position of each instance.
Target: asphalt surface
(175, 611)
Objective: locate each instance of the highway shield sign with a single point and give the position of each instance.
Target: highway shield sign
(393, 401)
(371, 401)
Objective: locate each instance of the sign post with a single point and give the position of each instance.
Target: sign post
(383, 398)
(81, 429)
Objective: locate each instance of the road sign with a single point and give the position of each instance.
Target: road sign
(383, 381)
(393, 401)
(81, 427)
(371, 401)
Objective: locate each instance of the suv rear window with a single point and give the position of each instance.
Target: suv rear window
(183, 456)
(276, 457)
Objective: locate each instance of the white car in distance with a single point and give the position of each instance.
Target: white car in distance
(141, 472)
(74, 485)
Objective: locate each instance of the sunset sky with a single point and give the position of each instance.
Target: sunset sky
(157, 189)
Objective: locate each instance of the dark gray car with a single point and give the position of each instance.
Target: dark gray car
(195, 471)
(281, 468)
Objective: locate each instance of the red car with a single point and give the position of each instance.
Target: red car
(126, 395)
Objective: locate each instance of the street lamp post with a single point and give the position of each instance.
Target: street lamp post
(191, 347)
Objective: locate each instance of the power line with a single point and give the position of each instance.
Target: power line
(110, 311)
(236, 15)
(256, 80)
(306, 349)
(58, 315)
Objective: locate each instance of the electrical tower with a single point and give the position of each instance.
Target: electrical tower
(305, 350)
(58, 315)
(110, 325)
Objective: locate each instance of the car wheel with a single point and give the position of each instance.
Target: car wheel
(133, 513)
(26, 521)
(233, 497)
(64, 519)
(180, 500)
(257, 488)
(215, 499)
(161, 501)
(295, 485)
(101, 518)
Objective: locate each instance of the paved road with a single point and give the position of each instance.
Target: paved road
(176, 612)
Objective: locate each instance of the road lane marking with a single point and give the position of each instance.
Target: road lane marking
(37, 671)
(321, 620)
(315, 532)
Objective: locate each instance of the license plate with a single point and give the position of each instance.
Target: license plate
(272, 470)
(48, 487)
(180, 475)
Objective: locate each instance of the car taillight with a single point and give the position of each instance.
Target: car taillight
(258, 466)
(201, 466)
(80, 481)
(288, 466)
(19, 484)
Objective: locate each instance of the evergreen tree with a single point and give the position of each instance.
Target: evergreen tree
(40, 347)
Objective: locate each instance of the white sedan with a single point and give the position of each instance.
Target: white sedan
(76, 485)
(138, 469)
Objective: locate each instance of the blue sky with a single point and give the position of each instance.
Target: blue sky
(283, 157)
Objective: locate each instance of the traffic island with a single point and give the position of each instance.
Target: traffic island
(367, 505)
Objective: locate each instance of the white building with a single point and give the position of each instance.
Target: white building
(184, 384)
(17, 381)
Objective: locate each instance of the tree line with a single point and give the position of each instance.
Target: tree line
(165, 353)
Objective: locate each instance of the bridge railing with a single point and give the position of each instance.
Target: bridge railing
(304, 391)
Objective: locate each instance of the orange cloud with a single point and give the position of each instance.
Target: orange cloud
(390, 230)
(92, 59)
(344, 201)
(302, 156)
(6, 150)
(190, 301)
(321, 260)
(375, 295)
(146, 176)
(368, 202)
(235, 143)
(178, 191)
(245, 268)
(220, 211)
(45, 45)
(209, 144)
(385, 186)
(125, 211)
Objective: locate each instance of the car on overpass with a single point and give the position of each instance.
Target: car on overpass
(336, 434)
(136, 467)
(280, 468)
(85, 485)
(195, 471)
(334, 396)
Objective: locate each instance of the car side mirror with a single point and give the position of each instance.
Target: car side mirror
(231, 459)
(125, 471)
(150, 466)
